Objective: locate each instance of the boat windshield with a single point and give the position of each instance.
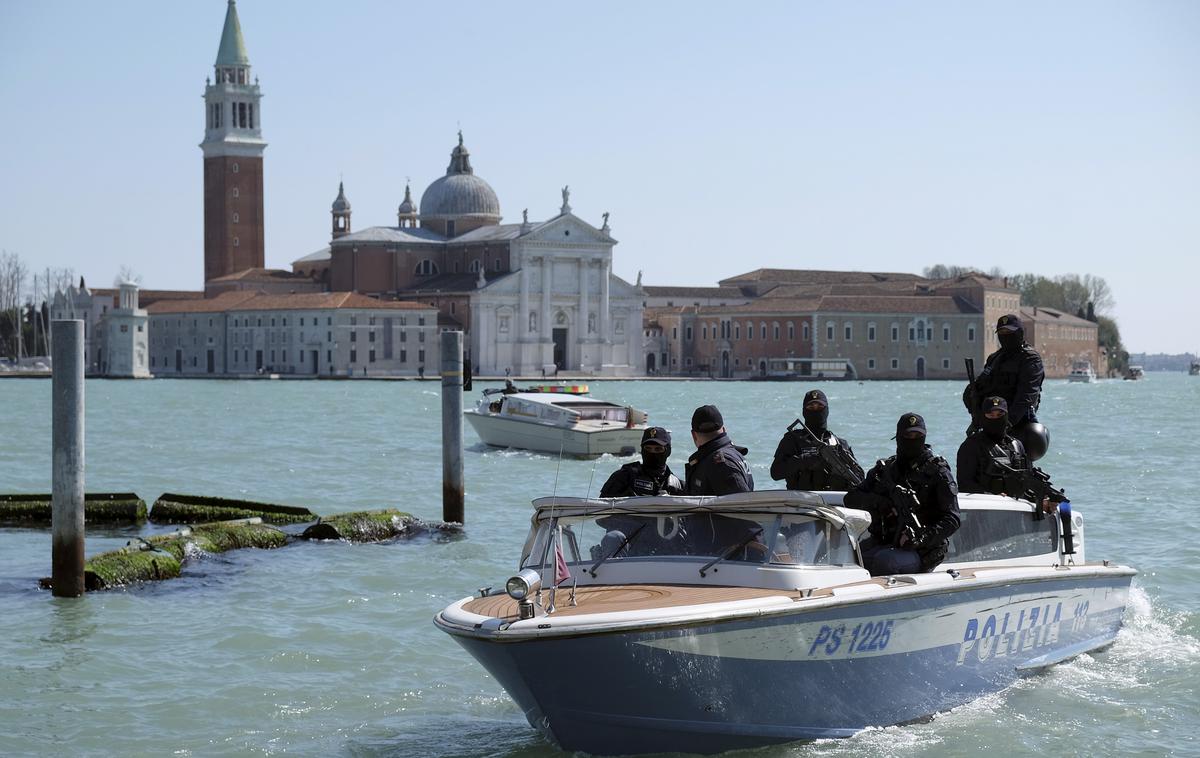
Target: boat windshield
(596, 411)
(785, 539)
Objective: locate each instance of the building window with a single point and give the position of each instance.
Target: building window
(124, 328)
(970, 332)
(895, 363)
(235, 167)
(945, 332)
(687, 334)
(404, 334)
(749, 330)
(687, 362)
(912, 334)
(737, 331)
(371, 356)
(848, 330)
(420, 321)
(791, 331)
(353, 355)
(704, 332)
(141, 327)
(945, 363)
(775, 330)
(829, 331)
(762, 329)
(235, 192)
(804, 331)
(426, 268)
(285, 356)
(421, 356)
(403, 356)
(236, 242)
(235, 218)
(871, 332)
(871, 363)
(371, 336)
(675, 333)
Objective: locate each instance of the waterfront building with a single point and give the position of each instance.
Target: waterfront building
(1063, 339)
(825, 324)
(532, 297)
(233, 148)
(243, 333)
(104, 309)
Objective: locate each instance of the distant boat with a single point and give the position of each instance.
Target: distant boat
(1134, 373)
(1081, 371)
(1194, 369)
(554, 418)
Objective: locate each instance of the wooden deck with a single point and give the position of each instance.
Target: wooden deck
(632, 597)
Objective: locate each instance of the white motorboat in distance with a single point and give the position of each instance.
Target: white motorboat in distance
(704, 624)
(1081, 371)
(555, 419)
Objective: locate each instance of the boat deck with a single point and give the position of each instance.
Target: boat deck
(628, 597)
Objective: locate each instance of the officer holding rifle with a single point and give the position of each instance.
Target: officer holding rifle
(810, 457)
(991, 460)
(913, 502)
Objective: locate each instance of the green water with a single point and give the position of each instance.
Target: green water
(328, 649)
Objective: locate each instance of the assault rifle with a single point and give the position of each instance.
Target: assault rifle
(836, 460)
(1030, 484)
(904, 500)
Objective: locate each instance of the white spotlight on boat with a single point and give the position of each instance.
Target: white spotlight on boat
(523, 584)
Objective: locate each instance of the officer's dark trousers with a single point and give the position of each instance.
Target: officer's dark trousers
(881, 560)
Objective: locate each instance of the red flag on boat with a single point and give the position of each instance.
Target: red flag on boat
(561, 572)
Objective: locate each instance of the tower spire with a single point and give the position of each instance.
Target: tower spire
(232, 51)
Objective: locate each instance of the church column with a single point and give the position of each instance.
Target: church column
(547, 275)
(584, 301)
(604, 314)
(522, 325)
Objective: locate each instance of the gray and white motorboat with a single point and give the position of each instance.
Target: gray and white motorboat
(556, 418)
(704, 624)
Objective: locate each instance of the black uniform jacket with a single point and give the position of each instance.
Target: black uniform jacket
(977, 451)
(632, 480)
(798, 460)
(1015, 375)
(929, 476)
(718, 468)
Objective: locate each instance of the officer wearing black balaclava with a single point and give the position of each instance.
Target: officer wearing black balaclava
(649, 476)
(798, 458)
(913, 502)
(991, 442)
(1014, 372)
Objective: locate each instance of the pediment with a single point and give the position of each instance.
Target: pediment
(569, 229)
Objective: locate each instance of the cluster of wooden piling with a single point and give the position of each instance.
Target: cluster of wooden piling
(220, 524)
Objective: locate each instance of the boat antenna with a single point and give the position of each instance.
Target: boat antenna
(553, 503)
(592, 478)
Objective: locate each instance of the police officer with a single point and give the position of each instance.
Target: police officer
(798, 458)
(991, 442)
(980, 453)
(913, 503)
(718, 466)
(649, 476)
(1014, 372)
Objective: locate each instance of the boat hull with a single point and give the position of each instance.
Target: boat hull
(578, 440)
(823, 671)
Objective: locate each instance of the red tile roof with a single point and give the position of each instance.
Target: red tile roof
(246, 300)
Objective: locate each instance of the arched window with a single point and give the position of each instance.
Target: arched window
(475, 266)
(749, 330)
(791, 331)
(426, 268)
(762, 329)
(775, 330)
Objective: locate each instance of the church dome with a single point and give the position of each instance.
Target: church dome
(407, 207)
(460, 193)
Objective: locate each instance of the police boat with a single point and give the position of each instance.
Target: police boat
(705, 624)
(556, 418)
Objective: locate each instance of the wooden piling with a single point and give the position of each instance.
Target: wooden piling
(67, 412)
(453, 488)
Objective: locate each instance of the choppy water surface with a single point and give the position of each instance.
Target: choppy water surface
(324, 649)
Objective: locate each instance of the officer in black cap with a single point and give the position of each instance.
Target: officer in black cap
(990, 443)
(649, 476)
(799, 458)
(718, 467)
(1014, 372)
(913, 502)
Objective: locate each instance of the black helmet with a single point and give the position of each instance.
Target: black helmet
(1036, 439)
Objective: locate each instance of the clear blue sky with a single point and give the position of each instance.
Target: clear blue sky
(1045, 137)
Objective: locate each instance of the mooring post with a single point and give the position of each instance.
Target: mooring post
(66, 504)
(452, 427)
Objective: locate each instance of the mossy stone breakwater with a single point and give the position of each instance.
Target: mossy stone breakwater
(163, 556)
(364, 526)
(98, 508)
(172, 508)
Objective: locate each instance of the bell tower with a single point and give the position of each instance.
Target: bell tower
(233, 166)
